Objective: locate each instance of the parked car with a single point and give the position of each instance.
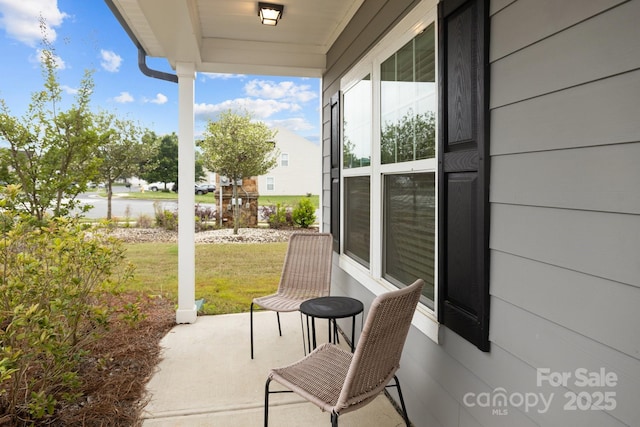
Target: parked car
(210, 187)
(201, 189)
(158, 186)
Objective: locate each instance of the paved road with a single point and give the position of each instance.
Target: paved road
(122, 207)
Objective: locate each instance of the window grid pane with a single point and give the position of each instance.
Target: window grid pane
(357, 192)
(357, 125)
(408, 101)
(409, 230)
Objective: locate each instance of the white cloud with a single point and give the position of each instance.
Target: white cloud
(159, 99)
(287, 90)
(21, 19)
(69, 90)
(258, 108)
(110, 60)
(123, 98)
(294, 124)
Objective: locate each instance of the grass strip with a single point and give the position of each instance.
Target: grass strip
(228, 276)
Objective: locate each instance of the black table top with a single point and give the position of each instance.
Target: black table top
(335, 307)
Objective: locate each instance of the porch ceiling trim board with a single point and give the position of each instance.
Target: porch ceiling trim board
(227, 37)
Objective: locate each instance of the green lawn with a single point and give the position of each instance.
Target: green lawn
(211, 197)
(286, 200)
(228, 276)
(157, 195)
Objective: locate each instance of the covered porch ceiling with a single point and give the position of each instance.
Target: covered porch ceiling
(226, 36)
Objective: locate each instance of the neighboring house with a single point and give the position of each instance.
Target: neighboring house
(299, 168)
(523, 217)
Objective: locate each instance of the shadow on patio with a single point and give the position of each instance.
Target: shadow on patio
(207, 378)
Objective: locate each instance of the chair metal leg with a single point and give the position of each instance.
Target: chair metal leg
(279, 328)
(266, 403)
(404, 408)
(334, 419)
(251, 317)
(304, 346)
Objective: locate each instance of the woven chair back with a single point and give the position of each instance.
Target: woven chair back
(306, 271)
(377, 356)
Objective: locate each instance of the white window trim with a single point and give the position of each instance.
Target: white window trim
(418, 19)
(273, 179)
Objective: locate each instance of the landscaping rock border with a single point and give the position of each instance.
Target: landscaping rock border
(245, 235)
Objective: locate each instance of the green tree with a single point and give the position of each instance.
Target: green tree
(5, 175)
(237, 147)
(51, 152)
(121, 151)
(163, 165)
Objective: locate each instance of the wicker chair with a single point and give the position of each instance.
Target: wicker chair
(336, 380)
(306, 274)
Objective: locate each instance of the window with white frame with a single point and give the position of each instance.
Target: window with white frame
(389, 161)
(284, 160)
(403, 207)
(271, 183)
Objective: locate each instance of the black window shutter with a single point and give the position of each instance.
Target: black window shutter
(463, 169)
(336, 148)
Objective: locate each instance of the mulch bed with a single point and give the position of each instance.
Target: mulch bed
(121, 364)
(117, 367)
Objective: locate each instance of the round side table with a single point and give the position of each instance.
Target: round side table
(331, 308)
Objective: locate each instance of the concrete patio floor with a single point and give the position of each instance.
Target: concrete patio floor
(207, 377)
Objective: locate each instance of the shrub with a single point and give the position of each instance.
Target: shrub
(164, 218)
(127, 216)
(304, 214)
(50, 275)
(206, 217)
(278, 217)
(144, 221)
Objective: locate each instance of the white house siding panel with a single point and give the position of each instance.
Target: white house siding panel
(548, 290)
(498, 5)
(529, 21)
(580, 178)
(565, 219)
(598, 113)
(512, 373)
(570, 57)
(302, 175)
(325, 201)
(541, 343)
(466, 420)
(600, 244)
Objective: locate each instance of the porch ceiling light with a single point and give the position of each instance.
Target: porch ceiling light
(270, 13)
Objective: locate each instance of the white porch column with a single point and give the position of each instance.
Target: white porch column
(187, 311)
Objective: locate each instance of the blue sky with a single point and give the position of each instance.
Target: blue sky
(86, 35)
